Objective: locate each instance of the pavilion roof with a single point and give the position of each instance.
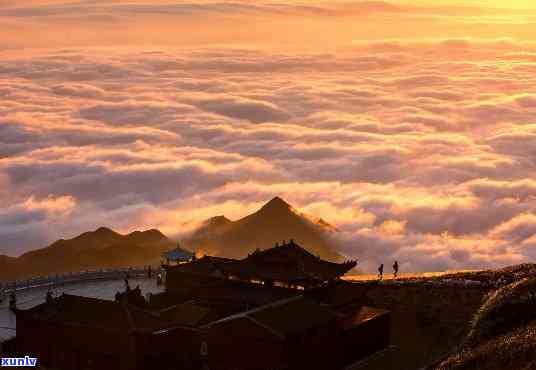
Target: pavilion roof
(178, 254)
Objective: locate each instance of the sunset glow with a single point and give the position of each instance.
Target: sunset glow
(409, 125)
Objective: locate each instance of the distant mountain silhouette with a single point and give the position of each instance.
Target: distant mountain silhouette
(102, 248)
(274, 222)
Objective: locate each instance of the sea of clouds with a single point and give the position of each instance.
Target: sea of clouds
(421, 151)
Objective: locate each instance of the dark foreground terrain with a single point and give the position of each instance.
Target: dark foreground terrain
(474, 320)
(502, 334)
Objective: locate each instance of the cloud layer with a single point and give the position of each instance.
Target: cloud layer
(421, 151)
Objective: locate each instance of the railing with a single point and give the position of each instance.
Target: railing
(75, 277)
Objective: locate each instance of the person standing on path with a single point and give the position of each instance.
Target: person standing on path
(395, 269)
(380, 272)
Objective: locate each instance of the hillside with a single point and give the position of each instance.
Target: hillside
(478, 320)
(274, 222)
(502, 334)
(102, 248)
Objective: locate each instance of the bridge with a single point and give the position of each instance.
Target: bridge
(77, 277)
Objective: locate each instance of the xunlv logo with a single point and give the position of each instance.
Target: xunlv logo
(19, 361)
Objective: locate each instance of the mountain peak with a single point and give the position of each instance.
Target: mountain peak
(104, 230)
(276, 203)
(218, 221)
(154, 232)
(275, 221)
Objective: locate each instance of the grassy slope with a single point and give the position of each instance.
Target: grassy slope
(503, 332)
(470, 320)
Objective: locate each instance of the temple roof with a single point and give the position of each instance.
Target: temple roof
(98, 313)
(287, 262)
(293, 315)
(185, 314)
(282, 318)
(355, 315)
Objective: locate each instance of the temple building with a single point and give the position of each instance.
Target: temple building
(296, 333)
(287, 266)
(278, 309)
(72, 333)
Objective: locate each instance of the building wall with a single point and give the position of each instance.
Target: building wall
(66, 347)
(367, 338)
(74, 348)
(320, 347)
(8, 348)
(176, 348)
(236, 346)
(239, 345)
(185, 283)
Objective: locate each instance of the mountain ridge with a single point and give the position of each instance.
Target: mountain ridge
(274, 222)
(100, 248)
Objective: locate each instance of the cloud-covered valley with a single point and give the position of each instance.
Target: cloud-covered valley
(421, 151)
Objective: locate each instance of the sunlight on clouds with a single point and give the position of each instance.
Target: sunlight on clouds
(409, 126)
(292, 24)
(54, 205)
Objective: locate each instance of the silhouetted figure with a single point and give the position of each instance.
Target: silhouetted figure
(395, 269)
(149, 272)
(12, 301)
(380, 271)
(49, 298)
(127, 285)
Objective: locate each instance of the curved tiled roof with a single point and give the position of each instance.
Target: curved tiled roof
(287, 262)
(284, 317)
(94, 312)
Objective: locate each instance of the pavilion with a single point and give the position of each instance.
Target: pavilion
(177, 256)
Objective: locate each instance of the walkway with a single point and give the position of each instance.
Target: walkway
(97, 288)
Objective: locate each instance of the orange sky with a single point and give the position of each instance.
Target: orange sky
(300, 24)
